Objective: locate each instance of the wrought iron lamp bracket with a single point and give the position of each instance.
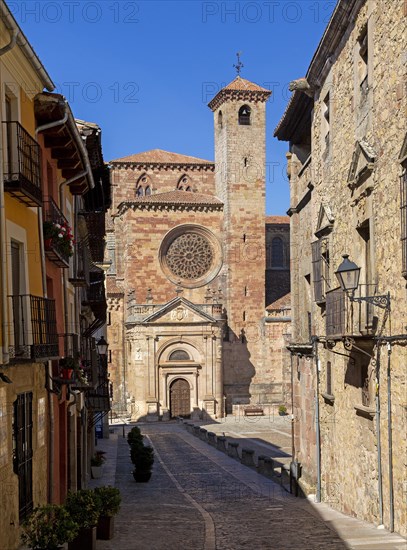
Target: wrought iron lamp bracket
(349, 344)
(382, 301)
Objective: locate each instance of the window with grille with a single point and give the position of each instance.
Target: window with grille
(403, 196)
(23, 451)
(320, 269)
(277, 252)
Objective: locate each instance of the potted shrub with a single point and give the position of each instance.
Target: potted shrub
(68, 365)
(83, 507)
(109, 502)
(96, 464)
(49, 527)
(143, 462)
(282, 410)
(134, 436)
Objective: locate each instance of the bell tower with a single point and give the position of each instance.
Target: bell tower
(240, 155)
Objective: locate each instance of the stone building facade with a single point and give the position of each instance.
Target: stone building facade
(186, 286)
(346, 126)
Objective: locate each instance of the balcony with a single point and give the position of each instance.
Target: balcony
(95, 223)
(98, 399)
(22, 167)
(57, 250)
(346, 318)
(33, 330)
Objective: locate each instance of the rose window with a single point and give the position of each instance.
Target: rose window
(189, 256)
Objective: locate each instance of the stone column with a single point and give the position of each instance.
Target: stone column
(217, 340)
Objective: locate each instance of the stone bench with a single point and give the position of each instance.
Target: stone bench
(248, 457)
(221, 443)
(253, 411)
(232, 449)
(196, 431)
(212, 438)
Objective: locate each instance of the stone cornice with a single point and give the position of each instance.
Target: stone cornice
(209, 167)
(254, 96)
(165, 207)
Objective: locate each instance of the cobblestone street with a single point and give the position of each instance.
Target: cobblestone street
(199, 498)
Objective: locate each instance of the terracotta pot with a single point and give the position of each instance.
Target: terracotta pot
(67, 374)
(105, 528)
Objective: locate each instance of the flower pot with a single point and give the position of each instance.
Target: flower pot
(141, 476)
(105, 528)
(86, 540)
(96, 471)
(48, 244)
(282, 413)
(67, 374)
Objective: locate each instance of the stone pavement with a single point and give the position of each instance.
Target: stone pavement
(199, 498)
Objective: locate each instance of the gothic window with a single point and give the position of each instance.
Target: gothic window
(143, 186)
(320, 269)
(148, 190)
(277, 252)
(179, 355)
(184, 183)
(140, 191)
(244, 115)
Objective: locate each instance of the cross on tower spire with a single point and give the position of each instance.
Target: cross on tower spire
(239, 65)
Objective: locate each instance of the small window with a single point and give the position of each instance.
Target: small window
(363, 62)
(184, 183)
(140, 191)
(244, 115)
(329, 378)
(179, 355)
(403, 196)
(220, 119)
(148, 190)
(327, 124)
(277, 252)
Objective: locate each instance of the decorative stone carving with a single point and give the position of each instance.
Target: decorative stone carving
(190, 256)
(302, 85)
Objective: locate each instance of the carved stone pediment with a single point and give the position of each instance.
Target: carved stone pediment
(362, 164)
(403, 152)
(325, 221)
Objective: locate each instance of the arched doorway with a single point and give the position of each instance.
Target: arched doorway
(180, 398)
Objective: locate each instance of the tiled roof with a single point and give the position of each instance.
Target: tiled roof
(158, 156)
(178, 197)
(242, 85)
(278, 219)
(240, 89)
(282, 303)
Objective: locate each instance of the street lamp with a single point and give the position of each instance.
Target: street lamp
(348, 274)
(102, 346)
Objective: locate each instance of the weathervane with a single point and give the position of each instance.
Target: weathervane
(239, 64)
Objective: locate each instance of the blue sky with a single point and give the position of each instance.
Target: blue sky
(145, 70)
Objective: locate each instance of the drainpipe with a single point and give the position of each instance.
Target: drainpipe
(48, 365)
(390, 437)
(317, 423)
(379, 439)
(4, 358)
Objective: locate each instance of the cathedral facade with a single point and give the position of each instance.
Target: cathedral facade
(186, 286)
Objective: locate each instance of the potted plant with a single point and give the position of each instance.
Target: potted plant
(49, 527)
(109, 499)
(134, 436)
(59, 237)
(96, 464)
(282, 410)
(83, 507)
(143, 462)
(68, 365)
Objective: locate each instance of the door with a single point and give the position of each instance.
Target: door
(23, 451)
(180, 398)
(16, 296)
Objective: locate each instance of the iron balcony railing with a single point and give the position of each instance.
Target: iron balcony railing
(53, 215)
(33, 328)
(350, 318)
(22, 165)
(69, 343)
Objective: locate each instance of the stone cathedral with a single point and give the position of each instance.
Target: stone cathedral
(186, 283)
